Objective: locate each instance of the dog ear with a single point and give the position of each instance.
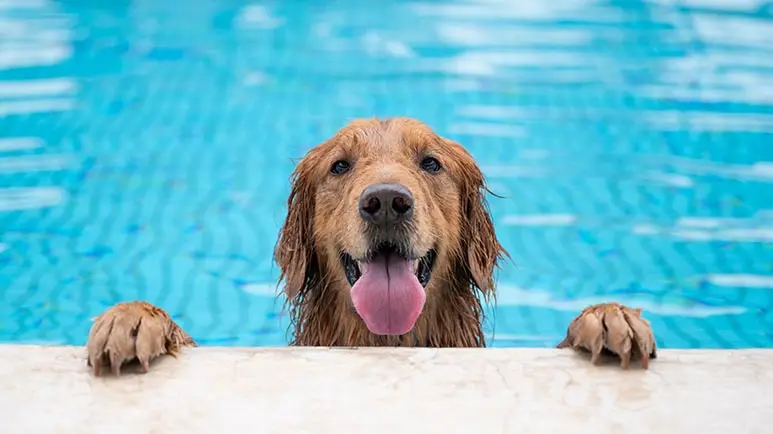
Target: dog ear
(294, 250)
(482, 247)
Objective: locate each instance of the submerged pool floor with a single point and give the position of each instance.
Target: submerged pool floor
(145, 149)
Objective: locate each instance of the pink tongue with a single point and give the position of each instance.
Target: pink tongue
(388, 296)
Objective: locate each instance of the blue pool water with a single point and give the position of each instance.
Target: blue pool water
(145, 148)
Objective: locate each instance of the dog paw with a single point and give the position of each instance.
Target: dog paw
(133, 331)
(611, 327)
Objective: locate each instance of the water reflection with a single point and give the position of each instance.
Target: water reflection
(757, 229)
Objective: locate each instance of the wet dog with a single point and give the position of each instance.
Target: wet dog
(387, 242)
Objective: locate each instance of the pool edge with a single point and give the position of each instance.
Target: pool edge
(298, 389)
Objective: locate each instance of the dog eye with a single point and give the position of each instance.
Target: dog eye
(340, 167)
(431, 165)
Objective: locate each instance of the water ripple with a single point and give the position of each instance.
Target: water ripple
(145, 150)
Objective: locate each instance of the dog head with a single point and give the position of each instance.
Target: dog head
(391, 214)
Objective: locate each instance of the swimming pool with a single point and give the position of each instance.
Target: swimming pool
(145, 148)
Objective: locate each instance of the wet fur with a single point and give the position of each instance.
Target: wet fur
(455, 212)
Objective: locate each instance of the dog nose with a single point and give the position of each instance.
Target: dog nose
(386, 203)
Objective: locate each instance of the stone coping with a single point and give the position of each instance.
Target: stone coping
(387, 390)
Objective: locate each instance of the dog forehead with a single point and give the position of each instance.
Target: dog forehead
(386, 137)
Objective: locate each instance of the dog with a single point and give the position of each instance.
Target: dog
(387, 241)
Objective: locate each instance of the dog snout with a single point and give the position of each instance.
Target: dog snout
(386, 203)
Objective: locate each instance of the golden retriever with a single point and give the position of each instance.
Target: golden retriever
(387, 242)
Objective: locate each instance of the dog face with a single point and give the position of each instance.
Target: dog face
(390, 214)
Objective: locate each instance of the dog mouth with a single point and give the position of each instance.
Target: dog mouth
(422, 267)
(387, 287)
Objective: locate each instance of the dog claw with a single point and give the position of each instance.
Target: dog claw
(613, 327)
(129, 331)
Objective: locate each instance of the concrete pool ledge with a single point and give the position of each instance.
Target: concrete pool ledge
(367, 390)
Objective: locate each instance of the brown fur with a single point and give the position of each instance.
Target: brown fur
(133, 330)
(613, 328)
(451, 214)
